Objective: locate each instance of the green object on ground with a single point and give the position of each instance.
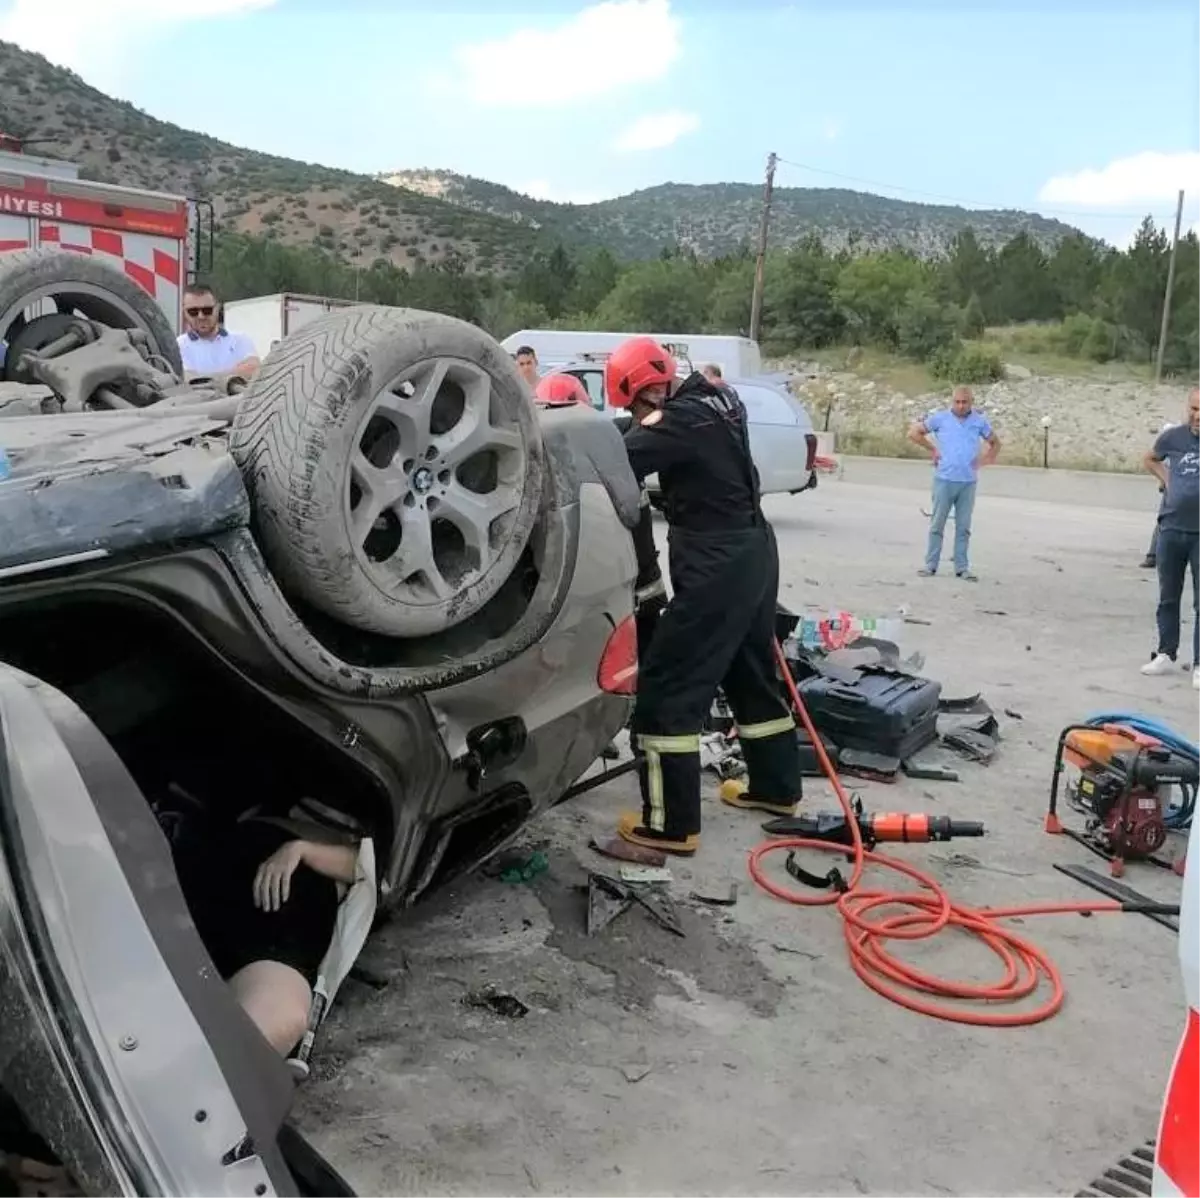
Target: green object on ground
(526, 871)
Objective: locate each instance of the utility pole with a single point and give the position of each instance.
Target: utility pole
(1166, 316)
(760, 262)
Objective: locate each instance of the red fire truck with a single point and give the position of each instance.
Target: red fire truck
(150, 238)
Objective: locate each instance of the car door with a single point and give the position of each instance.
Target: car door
(122, 1047)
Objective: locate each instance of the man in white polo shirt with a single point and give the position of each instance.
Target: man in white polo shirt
(208, 347)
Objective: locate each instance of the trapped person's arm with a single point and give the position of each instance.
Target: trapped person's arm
(273, 881)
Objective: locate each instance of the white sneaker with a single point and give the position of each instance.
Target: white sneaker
(1159, 664)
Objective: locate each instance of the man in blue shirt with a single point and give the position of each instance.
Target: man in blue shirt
(1175, 462)
(957, 455)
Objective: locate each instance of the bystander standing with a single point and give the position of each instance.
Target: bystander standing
(960, 431)
(1175, 462)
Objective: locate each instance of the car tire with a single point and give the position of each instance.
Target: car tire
(75, 282)
(395, 465)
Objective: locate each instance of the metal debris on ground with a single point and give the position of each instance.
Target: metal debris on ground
(609, 898)
(645, 875)
(517, 865)
(1131, 1176)
(636, 1073)
(507, 1006)
(714, 900)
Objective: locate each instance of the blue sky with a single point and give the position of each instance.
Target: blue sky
(1084, 110)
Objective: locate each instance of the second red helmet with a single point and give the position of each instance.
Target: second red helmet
(560, 390)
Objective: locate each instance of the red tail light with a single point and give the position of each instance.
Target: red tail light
(810, 439)
(617, 673)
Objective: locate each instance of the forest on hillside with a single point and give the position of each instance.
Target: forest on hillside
(1091, 301)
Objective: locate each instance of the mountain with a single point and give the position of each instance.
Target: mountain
(410, 217)
(719, 218)
(295, 202)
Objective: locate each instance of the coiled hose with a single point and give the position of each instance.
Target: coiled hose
(918, 915)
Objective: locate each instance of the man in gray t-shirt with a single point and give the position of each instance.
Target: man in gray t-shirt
(1175, 462)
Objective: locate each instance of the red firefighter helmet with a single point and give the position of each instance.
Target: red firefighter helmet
(561, 390)
(633, 366)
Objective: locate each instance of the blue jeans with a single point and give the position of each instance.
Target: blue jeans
(960, 497)
(1177, 553)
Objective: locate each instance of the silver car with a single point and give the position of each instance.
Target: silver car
(782, 439)
(194, 600)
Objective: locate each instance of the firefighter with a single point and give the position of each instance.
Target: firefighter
(719, 627)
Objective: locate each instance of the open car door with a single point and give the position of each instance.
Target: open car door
(120, 1045)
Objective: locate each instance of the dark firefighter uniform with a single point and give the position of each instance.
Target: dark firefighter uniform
(718, 630)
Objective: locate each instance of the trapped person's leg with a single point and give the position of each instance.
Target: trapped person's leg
(943, 497)
(1173, 553)
(277, 997)
(964, 509)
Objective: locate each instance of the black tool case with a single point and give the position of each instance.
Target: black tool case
(880, 711)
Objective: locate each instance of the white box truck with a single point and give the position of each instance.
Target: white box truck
(738, 357)
(266, 319)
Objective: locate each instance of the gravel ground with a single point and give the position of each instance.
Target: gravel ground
(747, 1058)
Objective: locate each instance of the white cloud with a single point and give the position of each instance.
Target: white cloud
(573, 61)
(101, 41)
(540, 189)
(1141, 178)
(832, 130)
(656, 131)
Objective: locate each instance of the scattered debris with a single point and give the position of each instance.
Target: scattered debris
(992, 611)
(916, 620)
(645, 875)
(507, 1006)
(712, 900)
(609, 898)
(622, 850)
(795, 952)
(924, 767)
(1013, 715)
(517, 865)
(636, 1073)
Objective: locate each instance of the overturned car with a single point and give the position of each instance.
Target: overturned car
(377, 576)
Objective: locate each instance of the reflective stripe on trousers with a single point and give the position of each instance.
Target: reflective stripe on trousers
(761, 731)
(653, 747)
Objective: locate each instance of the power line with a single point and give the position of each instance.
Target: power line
(932, 195)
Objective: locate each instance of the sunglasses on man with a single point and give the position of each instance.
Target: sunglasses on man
(202, 310)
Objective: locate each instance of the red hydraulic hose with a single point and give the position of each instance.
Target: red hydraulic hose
(922, 913)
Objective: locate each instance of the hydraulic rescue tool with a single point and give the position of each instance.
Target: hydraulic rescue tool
(833, 827)
(1121, 780)
(896, 827)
